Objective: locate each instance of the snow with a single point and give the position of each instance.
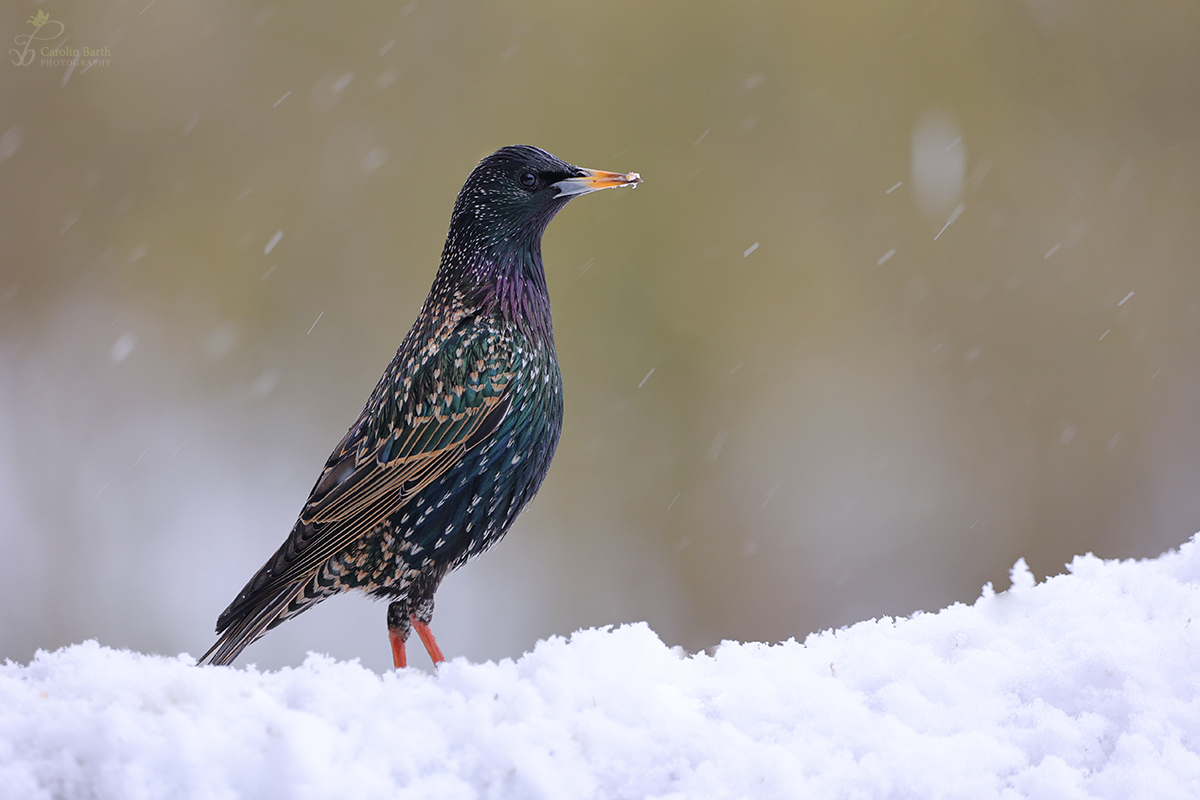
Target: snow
(1084, 685)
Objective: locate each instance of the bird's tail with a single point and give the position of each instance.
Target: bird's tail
(257, 620)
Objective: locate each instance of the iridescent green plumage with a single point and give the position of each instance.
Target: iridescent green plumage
(459, 432)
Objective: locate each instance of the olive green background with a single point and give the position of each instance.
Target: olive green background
(795, 396)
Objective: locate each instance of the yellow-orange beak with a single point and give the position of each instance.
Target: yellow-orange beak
(593, 180)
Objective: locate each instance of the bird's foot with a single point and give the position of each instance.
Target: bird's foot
(431, 645)
(396, 637)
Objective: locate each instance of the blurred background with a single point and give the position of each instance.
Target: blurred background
(911, 290)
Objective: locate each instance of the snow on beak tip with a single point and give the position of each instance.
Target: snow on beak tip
(593, 180)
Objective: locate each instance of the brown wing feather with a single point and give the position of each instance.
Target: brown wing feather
(375, 491)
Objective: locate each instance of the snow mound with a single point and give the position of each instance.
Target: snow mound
(1082, 686)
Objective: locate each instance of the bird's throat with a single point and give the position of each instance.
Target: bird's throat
(521, 300)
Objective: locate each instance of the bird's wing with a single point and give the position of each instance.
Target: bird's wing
(368, 490)
(453, 402)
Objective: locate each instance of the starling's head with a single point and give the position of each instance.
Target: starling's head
(512, 195)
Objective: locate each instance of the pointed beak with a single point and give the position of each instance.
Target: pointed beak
(593, 180)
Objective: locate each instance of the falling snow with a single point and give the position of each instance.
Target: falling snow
(271, 244)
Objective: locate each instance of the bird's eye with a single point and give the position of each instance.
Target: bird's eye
(528, 180)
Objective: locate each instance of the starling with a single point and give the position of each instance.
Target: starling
(458, 434)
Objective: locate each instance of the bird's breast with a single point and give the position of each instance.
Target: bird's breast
(473, 504)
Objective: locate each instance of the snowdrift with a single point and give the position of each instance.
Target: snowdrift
(1085, 685)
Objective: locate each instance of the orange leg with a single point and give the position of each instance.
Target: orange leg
(431, 645)
(397, 640)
